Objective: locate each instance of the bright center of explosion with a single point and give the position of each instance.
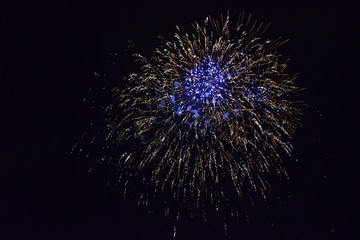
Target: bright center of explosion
(206, 82)
(203, 86)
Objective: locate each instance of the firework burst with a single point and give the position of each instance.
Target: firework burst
(205, 120)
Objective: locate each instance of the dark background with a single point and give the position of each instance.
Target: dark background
(49, 53)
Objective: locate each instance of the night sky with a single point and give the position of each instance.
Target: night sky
(49, 53)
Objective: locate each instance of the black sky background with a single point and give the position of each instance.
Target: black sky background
(49, 53)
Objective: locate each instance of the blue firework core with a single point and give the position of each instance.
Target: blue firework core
(203, 86)
(206, 82)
